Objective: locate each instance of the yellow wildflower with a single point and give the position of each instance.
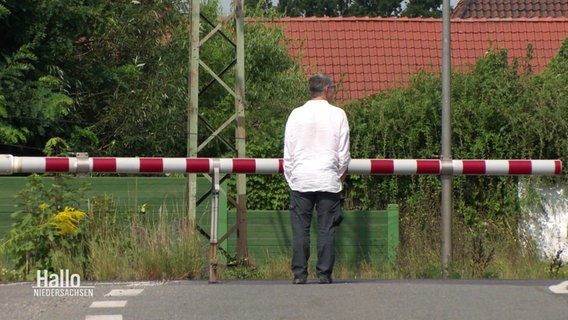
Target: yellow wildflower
(67, 221)
(43, 206)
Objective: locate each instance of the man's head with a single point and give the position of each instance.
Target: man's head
(321, 85)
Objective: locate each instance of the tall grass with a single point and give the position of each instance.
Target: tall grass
(164, 245)
(487, 252)
(143, 246)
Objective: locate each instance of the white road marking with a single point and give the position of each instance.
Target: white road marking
(561, 288)
(113, 303)
(108, 304)
(124, 292)
(136, 283)
(104, 317)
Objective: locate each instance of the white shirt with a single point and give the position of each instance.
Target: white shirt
(316, 147)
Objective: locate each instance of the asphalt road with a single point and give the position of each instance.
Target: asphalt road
(279, 299)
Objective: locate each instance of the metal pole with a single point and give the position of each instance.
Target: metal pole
(192, 112)
(446, 155)
(240, 134)
(214, 245)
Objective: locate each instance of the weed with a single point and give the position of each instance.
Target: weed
(556, 264)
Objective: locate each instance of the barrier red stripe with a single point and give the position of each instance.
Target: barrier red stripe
(151, 165)
(473, 167)
(56, 164)
(197, 165)
(382, 166)
(244, 165)
(280, 165)
(520, 167)
(104, 164)
(557, 167)
(427, 166)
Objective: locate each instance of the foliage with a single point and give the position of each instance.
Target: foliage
(100, 243)
(494, 116)
(104, 75)
(423, 8)
(264, 6)
(499, 111)
(129, 79)
(48, 227)
(35, 37)
(275, 86)
(67, 221)
(335, 8)
(358, 8)
(241, 269)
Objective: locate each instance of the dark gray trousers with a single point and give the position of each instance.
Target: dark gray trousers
(328, 208)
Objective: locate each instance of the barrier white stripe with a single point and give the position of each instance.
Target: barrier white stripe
(497, 167)
(225, 165)
(175, 165)
(405, 166)
(541, 167)
(457, 167)
(267, 166)
(360, 165)
(6, 161)
(32, 164)
(128, 165)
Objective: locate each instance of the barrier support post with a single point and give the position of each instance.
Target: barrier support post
(214, 244)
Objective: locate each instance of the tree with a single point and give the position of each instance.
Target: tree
(423, 9)
(373, 8)
(35, 38)
(318, 8)
(111, 77)
(129, 80)
(334, 8)
(104, 75)
(264, 5)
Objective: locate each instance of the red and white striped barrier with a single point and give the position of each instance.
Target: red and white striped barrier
(10, 164)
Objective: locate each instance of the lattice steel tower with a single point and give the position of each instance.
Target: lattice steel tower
(238, 92)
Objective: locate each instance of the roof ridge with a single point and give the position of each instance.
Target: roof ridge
(510, 8)
(535, 19)
(314, 18)
(405, 19)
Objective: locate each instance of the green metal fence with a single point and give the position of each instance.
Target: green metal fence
(131, 195)
(363, 236)
(370, 236)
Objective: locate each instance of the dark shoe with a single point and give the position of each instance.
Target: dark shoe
(325, 280)
(299, 281)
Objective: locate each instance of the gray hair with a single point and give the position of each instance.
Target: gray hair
(318, 82)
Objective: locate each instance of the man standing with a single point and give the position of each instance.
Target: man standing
(316, 156)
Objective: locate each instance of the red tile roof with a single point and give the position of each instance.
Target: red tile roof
(511, 9)
(368, 55)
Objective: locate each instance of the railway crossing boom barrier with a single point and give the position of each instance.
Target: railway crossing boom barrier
(83, 164)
